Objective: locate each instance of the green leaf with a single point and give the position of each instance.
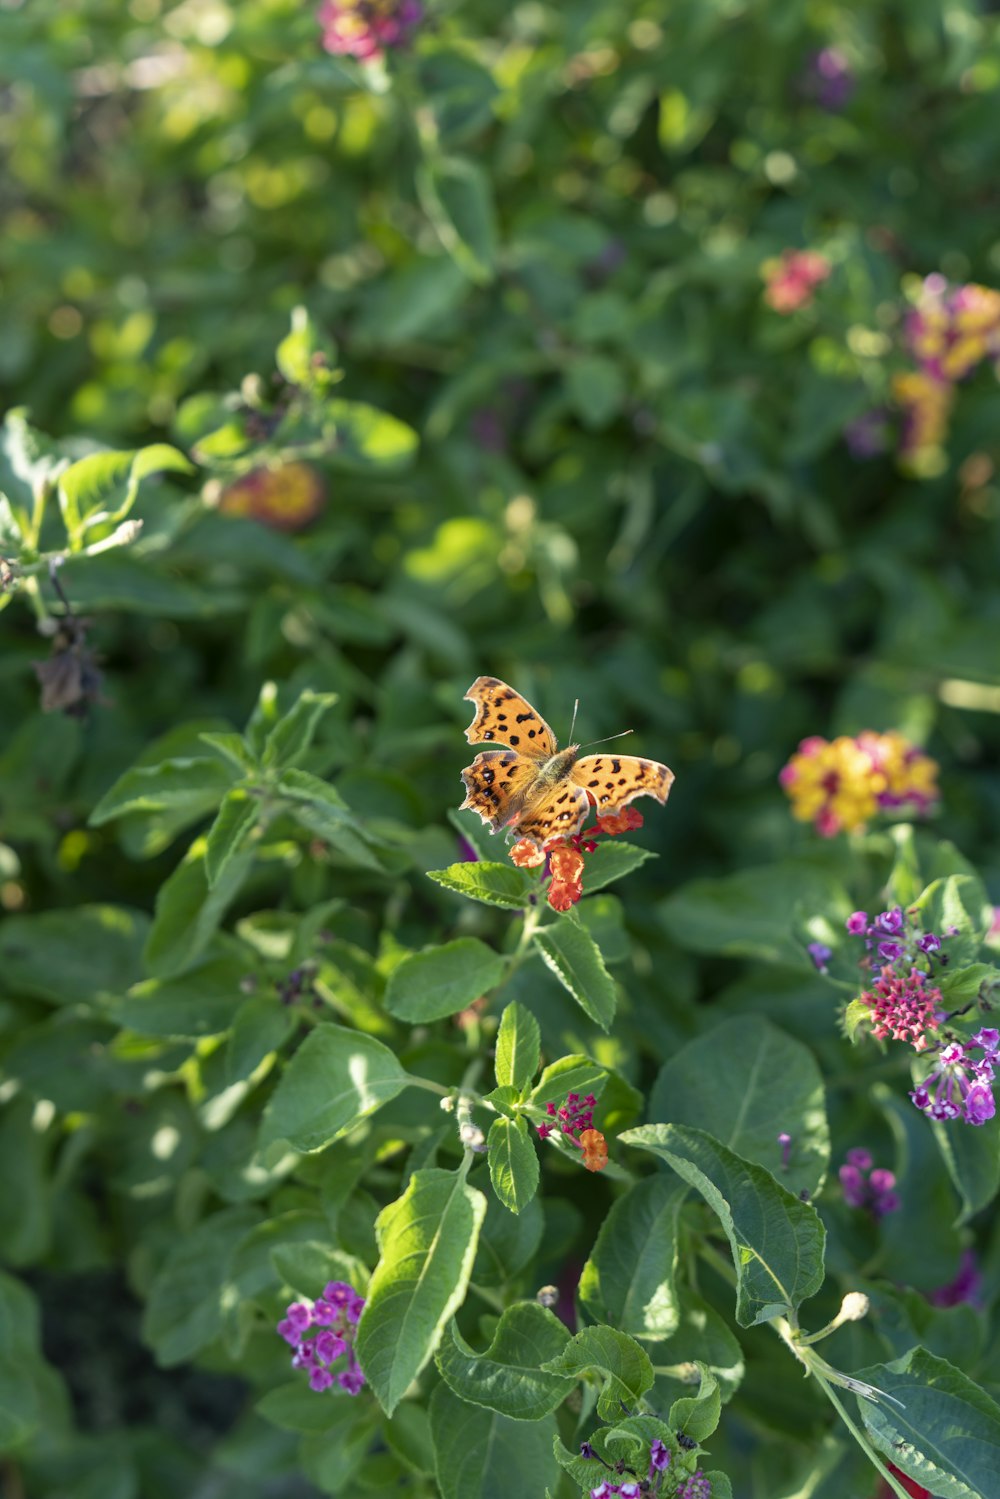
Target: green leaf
(754, 1083)
(612, 860)
(574, 957)
(368, 441)
(629, 1278)
(260, 1026)
(753, 913)
(972, 1156)
(508, 1242)
(508, 1377)
(294, 355)
(427, 1241)
(518, 1048)
(959, 902)
(481, 1454)
(618, 1361)
(184, 1309)
(335, 1079)
(493, 884)
(102, 487)
(295, 1407)
(441, 981)
(573, 1074)
(945, 1430)
(596, 389)
(230, 833)
(293, 733)
(321, 810)
(514, 1168)
(189, 911)
(698, 1415)
(233, 748)
(21, 1397)
(777, 1240)
(89, 955)
(195, 786)
(202, 1003)
(455, 194)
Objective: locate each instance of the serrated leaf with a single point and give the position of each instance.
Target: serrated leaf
(204, 1002)
(629, 1278)
(483, 1455)
(507, 1377)
(612, 860)
(572, 1074)
(944, 1432)
(456, 196)
(184, 1307)
(958, 905)
(513, 1163)
(754, 1083)
(335, 1079)
(618, 1361)
(777, 1240)
(493, 884)
(427, 1241)
(189, 910)
(574, 957)
(698, 1415)
(518, 1047)
(442, 980)
(291, 736)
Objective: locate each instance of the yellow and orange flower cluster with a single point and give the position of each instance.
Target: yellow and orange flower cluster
(840, 784)
(950, 331)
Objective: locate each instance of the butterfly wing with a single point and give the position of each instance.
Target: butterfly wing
(615, 780)
(497, 784)
(504, 715)
(557, 812)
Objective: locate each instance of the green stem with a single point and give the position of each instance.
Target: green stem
(859, 1435)
(492, 1298)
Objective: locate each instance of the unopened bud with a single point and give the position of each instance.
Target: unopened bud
(547, 1296)
(853, 1307)
(472, 1137)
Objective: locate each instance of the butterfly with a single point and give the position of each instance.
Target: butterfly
(538, 791)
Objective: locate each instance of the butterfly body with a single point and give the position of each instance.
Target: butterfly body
(533, 788)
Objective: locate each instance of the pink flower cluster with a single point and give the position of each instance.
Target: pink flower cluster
(323, 1333)
(792, 278)
(366, 28)
(867, 1188)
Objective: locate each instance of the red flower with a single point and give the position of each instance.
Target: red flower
(566, 863)
(562, 894)
(526, 854)
(620, 822)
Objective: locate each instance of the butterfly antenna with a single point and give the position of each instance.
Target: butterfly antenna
(576, 708)
(608, 740)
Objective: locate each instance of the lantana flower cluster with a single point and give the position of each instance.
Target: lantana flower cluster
(961, 1085)
(366, 28)
(575, 1120)
(564, 859)
(839, 785)
(949, 332)
(902, 1002)
(792, 277)
(867, 1186)
(323, 1333)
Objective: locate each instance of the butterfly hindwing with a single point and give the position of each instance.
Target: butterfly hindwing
(615, 780)
(497, 784)
(557, 812)
(505, 716)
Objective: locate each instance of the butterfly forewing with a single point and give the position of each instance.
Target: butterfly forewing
(615, 780)
(505, 716)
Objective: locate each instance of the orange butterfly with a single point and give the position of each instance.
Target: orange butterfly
(535, 789)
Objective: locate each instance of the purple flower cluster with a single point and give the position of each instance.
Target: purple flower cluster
(828, 79)
(323, 1333)
(961, 1086)
(659, 1462)
(365, 28)
(865, 1188)
(574, 1117)
(695, 1487)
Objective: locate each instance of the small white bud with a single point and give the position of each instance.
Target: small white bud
(853, 1307)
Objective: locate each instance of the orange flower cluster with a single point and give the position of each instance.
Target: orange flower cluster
(595, 1150)
(286, 498)
(792, 278)
(565, 856)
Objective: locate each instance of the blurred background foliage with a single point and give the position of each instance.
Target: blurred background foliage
(586, 455)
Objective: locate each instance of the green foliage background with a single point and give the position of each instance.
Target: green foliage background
(535, 240)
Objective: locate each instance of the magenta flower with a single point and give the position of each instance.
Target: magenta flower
(366, 28)
(323, 1333)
